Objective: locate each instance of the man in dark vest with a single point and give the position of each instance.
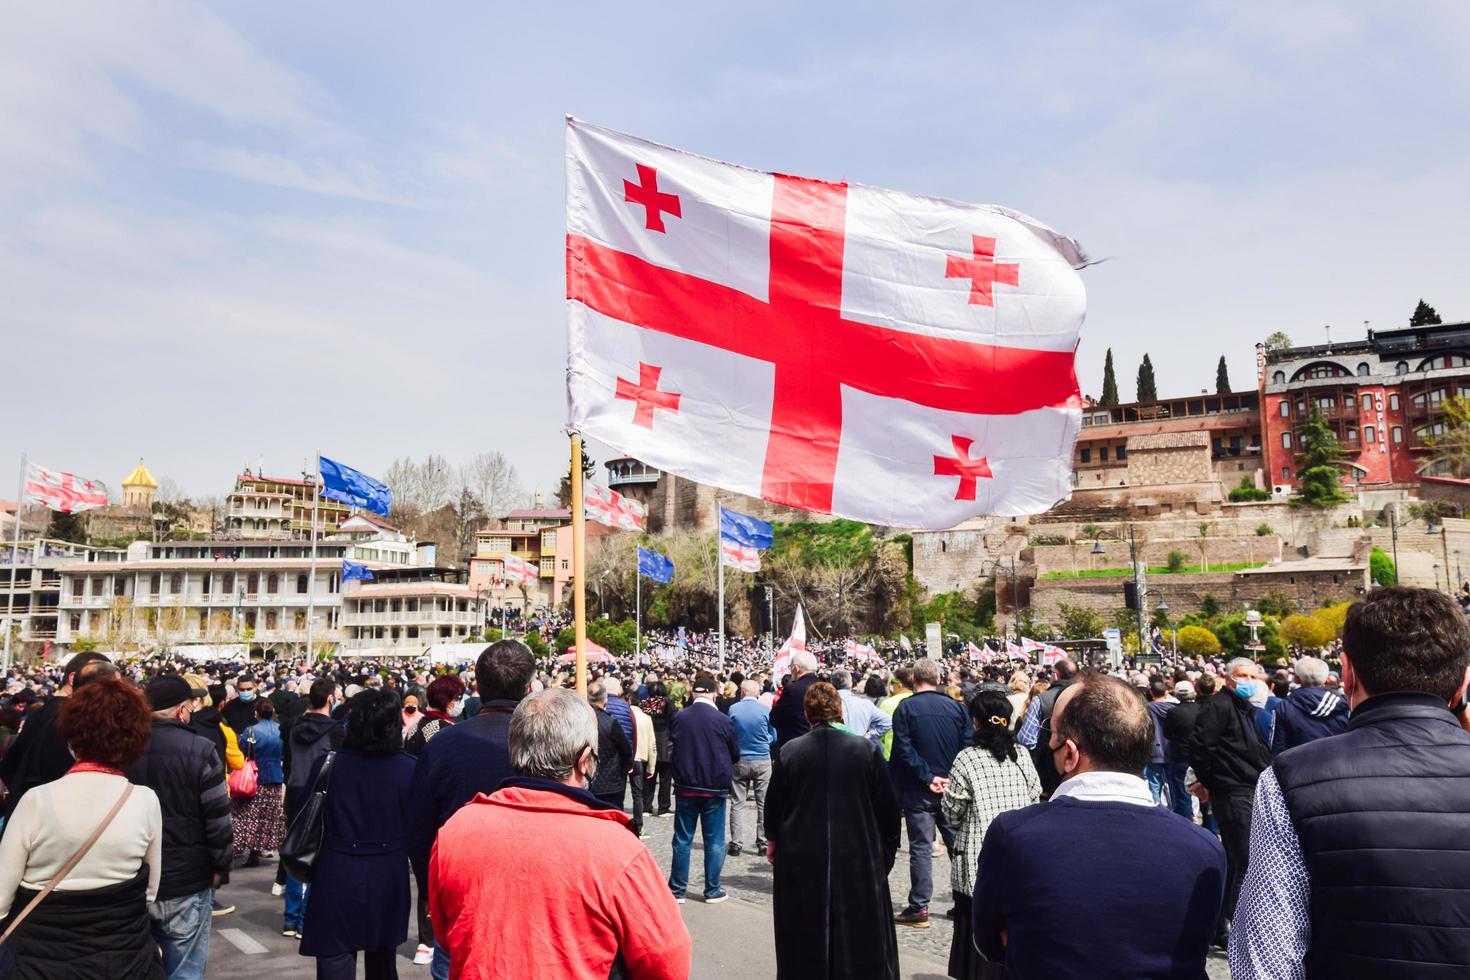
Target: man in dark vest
(1359, 866)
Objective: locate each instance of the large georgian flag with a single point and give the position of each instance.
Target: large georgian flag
(64, 492)
(891, 358)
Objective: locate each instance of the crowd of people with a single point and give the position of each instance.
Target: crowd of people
(1097, 823)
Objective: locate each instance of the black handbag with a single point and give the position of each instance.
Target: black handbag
(303, 841)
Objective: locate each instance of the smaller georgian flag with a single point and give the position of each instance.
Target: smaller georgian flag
(606, 506)
(521, 571)
(795, 643)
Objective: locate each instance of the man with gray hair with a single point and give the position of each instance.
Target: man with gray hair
(752, 721)
(1311, 711)
(788, 716)
(1228, 753)
(858, 713)
(493, 905)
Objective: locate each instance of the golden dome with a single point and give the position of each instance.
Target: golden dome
(140, 477)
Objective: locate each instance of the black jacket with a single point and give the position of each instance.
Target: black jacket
(1226, 750)
(239, 714)
(705, 749)
(38, 755)
(614, 757)
(1179, 728)
(96, 934)
(788, 714)
(205, 723)
(1041, 755)
(189, 778)
(312, 736)
(1382, 814)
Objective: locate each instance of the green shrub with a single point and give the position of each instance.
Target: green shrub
(1262, 530)
(1247, 492)
(1381, 568)
(1176, 561)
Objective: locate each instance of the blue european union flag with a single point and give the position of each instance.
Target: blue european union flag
(655, 566)
(345, 484)
(745, 530)
(355, 571)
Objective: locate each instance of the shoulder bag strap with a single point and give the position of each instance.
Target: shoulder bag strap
(71, 863)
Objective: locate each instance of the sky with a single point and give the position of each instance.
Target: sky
(239, 232)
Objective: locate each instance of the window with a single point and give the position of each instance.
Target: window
(253, 585)
(1398, 434)
(1402, 367)
(566, 564)
(1367, 403)
(1363, 370)
(1285, 409)
(1352, 435)
(1102, 454)
(1369, 436)
(1279, 378)
(1326, 404)
(1085, 454)
(78, 586)
(154, 581)
(272, 584)
(175, 583)
(1122, 453)
(1285, 473)
(301, 585)
(1393, 402)
(1286, 440)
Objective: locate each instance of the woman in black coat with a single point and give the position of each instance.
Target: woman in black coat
(660, 708)
(832, 826)
(359, 887)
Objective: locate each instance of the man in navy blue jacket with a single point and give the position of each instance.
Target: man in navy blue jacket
(1311, 711)
(467, 759)
(1060, 893)
(929, 729)
(705, 752)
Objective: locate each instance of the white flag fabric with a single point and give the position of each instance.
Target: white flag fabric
(886, 357)
(795, 643)
(739, 556)
(606, 506)
(861, 651)
(64, 492)
(521, 571)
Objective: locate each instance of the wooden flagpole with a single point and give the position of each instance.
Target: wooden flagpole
(579, 565)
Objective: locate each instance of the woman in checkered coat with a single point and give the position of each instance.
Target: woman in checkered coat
(987, 779)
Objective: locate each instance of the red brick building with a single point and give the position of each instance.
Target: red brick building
(1381, 396)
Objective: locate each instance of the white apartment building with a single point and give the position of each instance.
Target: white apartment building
(38, 585)
(405, 611)
(177, 594)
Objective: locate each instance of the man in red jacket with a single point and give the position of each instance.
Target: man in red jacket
(495, 907)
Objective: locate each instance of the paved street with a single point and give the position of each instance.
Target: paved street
(731, 940)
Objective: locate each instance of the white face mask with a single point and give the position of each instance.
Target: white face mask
(456, 708)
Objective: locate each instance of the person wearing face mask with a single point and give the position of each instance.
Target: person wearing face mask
(495, 909)
(1229, 751)
(1058, 887)
(411, 716)
(239, 711)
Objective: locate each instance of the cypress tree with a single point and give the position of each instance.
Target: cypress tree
(1222, 378)
(1147, 390)
(1110, 382)
(1319, 476)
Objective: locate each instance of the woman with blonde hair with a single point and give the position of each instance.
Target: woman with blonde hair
(1020, 684)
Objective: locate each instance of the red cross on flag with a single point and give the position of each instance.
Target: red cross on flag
(891, 358)
(795, 643)
(65, 492)
(609, 507)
